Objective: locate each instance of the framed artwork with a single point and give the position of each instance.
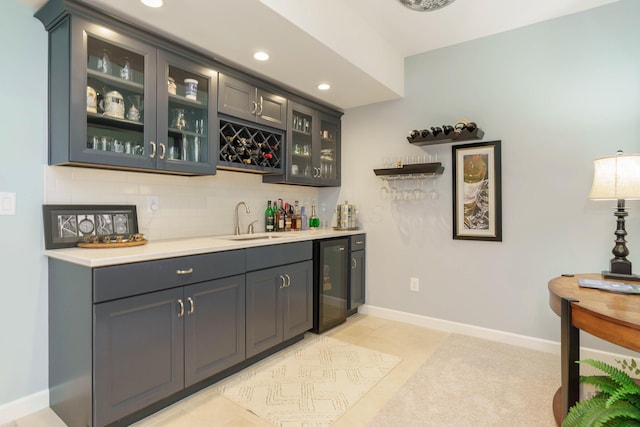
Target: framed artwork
(66, 225)
(477, 191)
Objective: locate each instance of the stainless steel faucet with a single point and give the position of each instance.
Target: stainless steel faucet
(237, 230)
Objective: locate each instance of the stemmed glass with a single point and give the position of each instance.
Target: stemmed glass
(418, 193)
(406, 194)
(384, 191)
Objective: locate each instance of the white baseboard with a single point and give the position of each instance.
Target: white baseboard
(487, 334)
(24, 406)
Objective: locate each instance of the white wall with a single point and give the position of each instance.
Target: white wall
(557, 94)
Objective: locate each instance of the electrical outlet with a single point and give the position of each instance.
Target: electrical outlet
(153, 204)
(414, 284)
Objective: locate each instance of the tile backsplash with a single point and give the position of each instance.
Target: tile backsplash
(188, 206)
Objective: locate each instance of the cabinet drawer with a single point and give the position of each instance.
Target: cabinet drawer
(358, 242)
(125, 280)
(274, 255)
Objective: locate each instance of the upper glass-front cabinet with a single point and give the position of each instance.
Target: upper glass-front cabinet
(116, 117)
(187, 106)
(313, 148)
(120, 103)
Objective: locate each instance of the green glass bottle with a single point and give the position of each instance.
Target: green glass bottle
(269, 218)
(314, 221)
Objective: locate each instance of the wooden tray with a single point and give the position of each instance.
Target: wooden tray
(346, 229)
(112, 245)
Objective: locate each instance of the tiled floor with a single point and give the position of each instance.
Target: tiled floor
(208, 408)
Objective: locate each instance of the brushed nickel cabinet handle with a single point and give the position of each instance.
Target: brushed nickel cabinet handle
(288, 280)
(282, 285)
(255, 107)
(260, 105)
(181, 304)
(354, 263)
(163, 151)
(187, 271)
(153, 149)
(192, 306)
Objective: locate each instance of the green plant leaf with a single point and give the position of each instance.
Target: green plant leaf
(616, 402)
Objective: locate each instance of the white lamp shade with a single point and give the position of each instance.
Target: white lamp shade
(616, 177)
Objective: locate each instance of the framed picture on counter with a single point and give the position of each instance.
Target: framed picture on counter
(477, 191)
(66, 225)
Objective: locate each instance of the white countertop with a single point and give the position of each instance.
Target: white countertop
(182, 247)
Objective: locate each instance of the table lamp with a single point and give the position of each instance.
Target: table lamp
(617, 178)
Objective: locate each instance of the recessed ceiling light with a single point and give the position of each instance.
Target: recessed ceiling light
(324, 86)
(152, 3)
(261, 56)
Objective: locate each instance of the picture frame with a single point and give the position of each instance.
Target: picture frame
(477, 191)
(66, 225)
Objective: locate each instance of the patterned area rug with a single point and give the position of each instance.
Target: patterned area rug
(311, 385)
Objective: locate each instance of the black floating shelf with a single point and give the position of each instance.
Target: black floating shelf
(465, 135)
(413, 169)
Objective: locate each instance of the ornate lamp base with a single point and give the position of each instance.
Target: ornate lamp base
(619, 264)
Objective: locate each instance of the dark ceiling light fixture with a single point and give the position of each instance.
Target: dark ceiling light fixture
(426, 5)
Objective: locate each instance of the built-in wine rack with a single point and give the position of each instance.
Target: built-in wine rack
(250, 149)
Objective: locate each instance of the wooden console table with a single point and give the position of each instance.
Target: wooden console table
(611, 316)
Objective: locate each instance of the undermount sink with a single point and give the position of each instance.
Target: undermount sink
(251, 237)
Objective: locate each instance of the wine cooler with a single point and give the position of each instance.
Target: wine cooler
(330, 275)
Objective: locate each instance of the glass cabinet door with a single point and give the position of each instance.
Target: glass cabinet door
(117, 88)
(187, 93)
(301, 166)
(329, 150)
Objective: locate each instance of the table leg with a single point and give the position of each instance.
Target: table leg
(569, 354)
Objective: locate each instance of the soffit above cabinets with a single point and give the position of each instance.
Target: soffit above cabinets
(357, 46)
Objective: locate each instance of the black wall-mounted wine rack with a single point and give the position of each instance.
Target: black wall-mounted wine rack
(453, 136)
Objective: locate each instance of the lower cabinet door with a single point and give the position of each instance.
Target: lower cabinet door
(297, 306)
(356, 293)
(214, 327)
(138, 353)
(264, 319)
